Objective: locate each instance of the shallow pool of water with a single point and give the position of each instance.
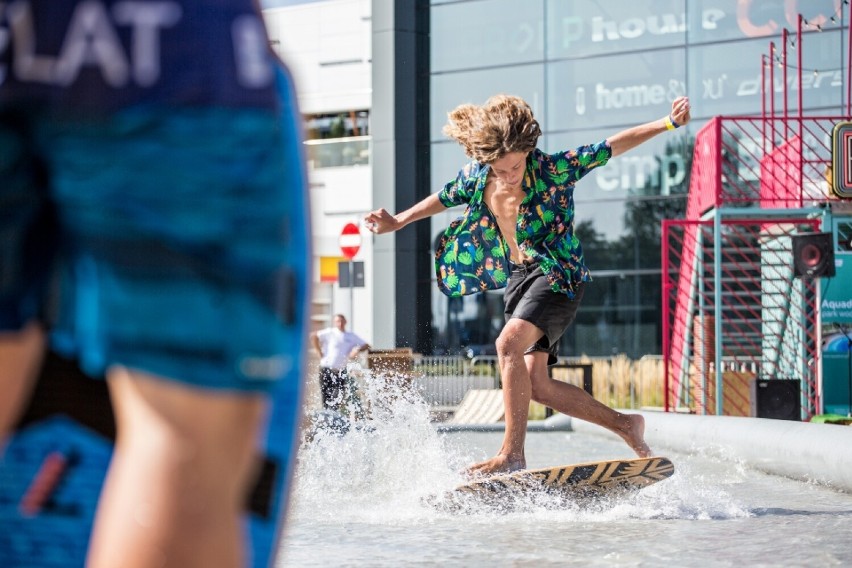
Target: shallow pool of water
(358, 501)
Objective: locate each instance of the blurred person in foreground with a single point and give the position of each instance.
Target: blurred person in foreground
(153, 149)
(517, 233)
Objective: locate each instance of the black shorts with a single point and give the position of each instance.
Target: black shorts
(529, 297)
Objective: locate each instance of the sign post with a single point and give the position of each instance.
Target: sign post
(350, 244)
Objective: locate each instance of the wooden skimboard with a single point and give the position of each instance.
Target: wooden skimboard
(580, 483)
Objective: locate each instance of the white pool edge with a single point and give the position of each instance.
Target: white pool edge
(806, 451)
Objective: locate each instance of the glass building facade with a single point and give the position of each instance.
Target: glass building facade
(590, 69)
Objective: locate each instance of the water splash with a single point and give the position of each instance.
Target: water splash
(391, 466)
(379, 467)
(359, 488)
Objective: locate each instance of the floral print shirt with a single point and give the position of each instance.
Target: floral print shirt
(473, 255)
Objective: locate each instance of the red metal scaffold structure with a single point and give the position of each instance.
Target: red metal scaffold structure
(732, 309)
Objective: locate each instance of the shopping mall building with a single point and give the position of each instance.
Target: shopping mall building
(377, 78)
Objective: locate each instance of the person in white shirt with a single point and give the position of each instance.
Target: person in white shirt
(336, 347)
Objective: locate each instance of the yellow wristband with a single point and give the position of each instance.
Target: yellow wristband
(670, 125)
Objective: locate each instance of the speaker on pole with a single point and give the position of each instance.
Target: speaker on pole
(813, 255)
(776, 398)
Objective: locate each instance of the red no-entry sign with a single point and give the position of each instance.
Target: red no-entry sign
(350, 240)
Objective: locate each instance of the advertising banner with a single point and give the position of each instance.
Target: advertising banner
(836, 304)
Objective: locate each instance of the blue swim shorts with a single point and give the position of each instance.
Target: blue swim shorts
(166, 229)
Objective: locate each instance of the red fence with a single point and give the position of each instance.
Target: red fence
(766, 317)
(768, 162)
(758, 180)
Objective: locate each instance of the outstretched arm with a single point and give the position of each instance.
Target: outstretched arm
(356, 350)
(380, 221)
(632, 137)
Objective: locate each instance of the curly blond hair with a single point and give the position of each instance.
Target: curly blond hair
(504, 124)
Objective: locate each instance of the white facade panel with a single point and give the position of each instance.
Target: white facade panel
(327, 46)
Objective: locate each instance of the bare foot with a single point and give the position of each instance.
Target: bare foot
(634, 434)
(501, 463)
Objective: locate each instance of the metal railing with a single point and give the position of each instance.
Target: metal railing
(444, 380)
(338, 152)
(616, 381)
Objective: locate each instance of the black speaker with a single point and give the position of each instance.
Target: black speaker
(776, 398)
(813, 255)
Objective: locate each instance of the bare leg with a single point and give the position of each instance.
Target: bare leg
(177, 484)
(516, 337)
(21, 354)
(574, 401)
